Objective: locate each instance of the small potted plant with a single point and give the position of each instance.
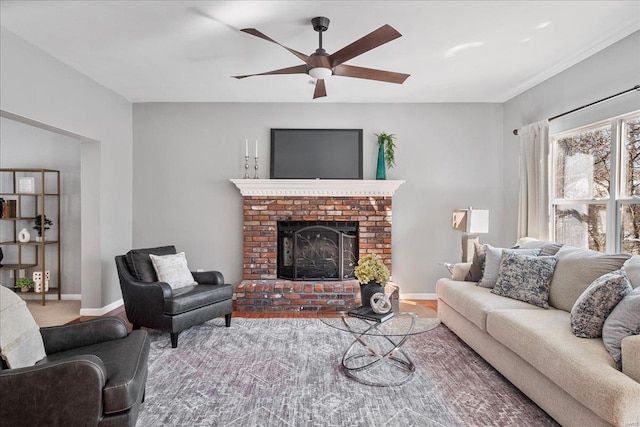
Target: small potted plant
(42, 223)
(386, 153)
(372, 275)
(24, 283)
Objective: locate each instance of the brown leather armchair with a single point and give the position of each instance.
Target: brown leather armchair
(156, 305)
(94, 374)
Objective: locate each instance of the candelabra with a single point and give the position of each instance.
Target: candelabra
(256, 168)
(246, 167)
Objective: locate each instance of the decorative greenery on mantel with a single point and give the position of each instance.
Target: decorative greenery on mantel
(385, 140)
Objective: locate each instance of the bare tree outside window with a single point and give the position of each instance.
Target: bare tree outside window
(585, 206)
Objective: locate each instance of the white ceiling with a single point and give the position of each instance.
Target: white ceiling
(455, 51)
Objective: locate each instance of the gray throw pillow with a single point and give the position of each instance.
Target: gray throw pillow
(596, 303)
(623, 321)
(475, 271)
(547, 248)
(525, 277)
(493, 257)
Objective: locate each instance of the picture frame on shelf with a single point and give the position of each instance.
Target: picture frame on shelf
(26, 185)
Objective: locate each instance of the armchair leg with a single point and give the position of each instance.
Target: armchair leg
(174, 339)
(227, 320)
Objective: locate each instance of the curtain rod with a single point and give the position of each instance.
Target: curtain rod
(636, 87)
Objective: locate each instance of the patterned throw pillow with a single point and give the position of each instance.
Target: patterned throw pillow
(173, 269)
(596, 303)
(623, 321)
(493, 258)
(525, 278)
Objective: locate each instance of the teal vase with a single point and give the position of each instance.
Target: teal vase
(381, 172)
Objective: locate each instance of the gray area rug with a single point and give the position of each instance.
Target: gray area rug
(286, 372)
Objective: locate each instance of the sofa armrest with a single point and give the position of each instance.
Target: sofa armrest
(62, 338)
(32, 396)
(460, 271)
(631, 357)
(208, 277)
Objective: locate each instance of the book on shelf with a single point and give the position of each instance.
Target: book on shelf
(8, 209)
(367, 313)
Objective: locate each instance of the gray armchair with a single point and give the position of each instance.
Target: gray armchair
(94, 374)
(156, 305)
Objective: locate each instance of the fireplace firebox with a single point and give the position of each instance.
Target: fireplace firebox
(313, 250)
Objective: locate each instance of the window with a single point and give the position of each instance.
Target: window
(596, 186)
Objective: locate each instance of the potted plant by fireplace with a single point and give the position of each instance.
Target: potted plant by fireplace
(372, 275)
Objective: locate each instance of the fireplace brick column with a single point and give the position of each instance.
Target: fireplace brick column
(262, 213)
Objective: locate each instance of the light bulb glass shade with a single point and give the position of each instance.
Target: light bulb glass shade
(320, 73)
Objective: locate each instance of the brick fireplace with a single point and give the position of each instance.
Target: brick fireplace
(268, 202)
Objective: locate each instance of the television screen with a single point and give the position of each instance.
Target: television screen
(316, 153)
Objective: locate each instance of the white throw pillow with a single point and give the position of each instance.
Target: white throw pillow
(20, 340)
(173, 269)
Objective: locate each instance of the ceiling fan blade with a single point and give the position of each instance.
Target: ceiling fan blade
(369, 73)
(320, 89)
(298, 69)
(382, 35)
(257, 33)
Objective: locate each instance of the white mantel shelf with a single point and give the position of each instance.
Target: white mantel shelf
(317, 187)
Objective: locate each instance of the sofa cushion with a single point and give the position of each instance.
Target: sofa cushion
(192, 297)
(632, 268)
(474, 302)
(577, 268)
(173, 270)
(125, 360)
(597, 302)
(493, 257)
(623, 321)
(477, 265)
(525, 278)
(581, 367)
(139, 263)
(20, 340)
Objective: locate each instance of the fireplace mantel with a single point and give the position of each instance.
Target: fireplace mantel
(317, 187)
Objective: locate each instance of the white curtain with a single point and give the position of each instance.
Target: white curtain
(533, 210)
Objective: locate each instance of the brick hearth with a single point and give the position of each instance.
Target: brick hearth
(260, 289)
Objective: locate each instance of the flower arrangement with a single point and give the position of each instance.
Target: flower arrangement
(369, 268)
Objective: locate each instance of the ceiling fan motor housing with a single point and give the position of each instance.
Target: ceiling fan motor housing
(320, 23)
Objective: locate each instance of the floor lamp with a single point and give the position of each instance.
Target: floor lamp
(470, 222)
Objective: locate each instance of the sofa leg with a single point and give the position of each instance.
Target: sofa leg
(227, 320)
(174, 339)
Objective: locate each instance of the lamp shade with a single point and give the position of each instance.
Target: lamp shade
(320, 73)
(471, 220)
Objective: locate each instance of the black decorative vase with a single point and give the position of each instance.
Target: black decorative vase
(1, 256)
(367, 290)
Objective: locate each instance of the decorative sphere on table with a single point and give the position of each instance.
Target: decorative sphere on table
(380, 303)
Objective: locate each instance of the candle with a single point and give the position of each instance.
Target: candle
(246, 147)
(256, 148)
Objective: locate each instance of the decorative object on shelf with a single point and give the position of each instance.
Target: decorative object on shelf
(24, 236)
(380, 303)
(24, 283)
(27, 185)
(372, 275)
(38, 280)
(246, 159)
(1, 256)
(256, 162)
(470, 222)
(39, 225)
(386, 154)
(7, 208)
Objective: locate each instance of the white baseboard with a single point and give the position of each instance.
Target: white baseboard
(49, 297)
(418, 296)
(101, 311)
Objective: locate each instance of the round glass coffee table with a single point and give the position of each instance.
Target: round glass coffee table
(375, 357)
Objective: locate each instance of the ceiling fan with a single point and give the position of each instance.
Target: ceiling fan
(321, 65)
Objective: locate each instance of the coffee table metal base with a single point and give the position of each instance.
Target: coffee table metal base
(362, 360)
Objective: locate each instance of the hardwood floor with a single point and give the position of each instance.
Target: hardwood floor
(119, 312)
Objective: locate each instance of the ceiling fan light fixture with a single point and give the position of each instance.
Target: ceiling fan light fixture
(320, 73)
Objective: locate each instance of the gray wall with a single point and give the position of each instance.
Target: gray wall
(24, 146)
(185, 153)
(609, 71)
(50, 94)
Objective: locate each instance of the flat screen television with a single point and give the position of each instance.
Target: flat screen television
(316, 153)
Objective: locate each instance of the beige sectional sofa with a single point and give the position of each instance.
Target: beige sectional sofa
(573, 379)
